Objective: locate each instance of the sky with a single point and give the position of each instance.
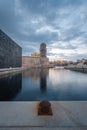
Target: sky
(61, 24)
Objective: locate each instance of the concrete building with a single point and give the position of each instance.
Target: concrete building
(10, 52)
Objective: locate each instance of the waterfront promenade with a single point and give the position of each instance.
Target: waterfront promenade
(79, 67)
(7, 71)
(67, 115)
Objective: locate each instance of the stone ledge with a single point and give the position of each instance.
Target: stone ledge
(66, 114)
(4, 72)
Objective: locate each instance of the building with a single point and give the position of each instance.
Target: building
(36, 60)
(30, 61)
(10, 52)
(35, 55)
(43, 50)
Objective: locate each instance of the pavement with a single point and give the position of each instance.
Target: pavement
(7, 71)
(67, 115)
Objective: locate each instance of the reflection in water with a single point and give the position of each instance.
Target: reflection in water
(10, 86)
(38, 74)
(33, 73)
(44, 84)
(43, 80)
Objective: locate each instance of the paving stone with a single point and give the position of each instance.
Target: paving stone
(67, 115)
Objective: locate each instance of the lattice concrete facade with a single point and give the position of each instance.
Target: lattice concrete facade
(10, 52)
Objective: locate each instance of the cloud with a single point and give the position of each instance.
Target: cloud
(61, 24)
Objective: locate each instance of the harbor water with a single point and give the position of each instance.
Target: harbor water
(44, 84)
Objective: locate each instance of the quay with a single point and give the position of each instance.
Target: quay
(67, 115)
(6, 71)
(78, 67)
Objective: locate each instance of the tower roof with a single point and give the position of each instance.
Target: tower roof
(43, 44)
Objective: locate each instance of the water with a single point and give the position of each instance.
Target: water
(45, 84)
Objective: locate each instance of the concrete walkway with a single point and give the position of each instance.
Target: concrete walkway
(7, 71)
(67, 115)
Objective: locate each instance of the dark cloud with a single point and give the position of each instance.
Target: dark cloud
(7, 15)
(61, 24)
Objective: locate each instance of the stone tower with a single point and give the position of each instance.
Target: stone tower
(43, 50)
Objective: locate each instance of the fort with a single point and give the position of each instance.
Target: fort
(36, 60)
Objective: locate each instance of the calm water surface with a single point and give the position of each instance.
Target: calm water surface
(45, 84)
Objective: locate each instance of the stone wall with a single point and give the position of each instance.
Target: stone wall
(35, 62)
(30, 62)
(10, 52)
(78, 69)
(44, 62)
(42, 50)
